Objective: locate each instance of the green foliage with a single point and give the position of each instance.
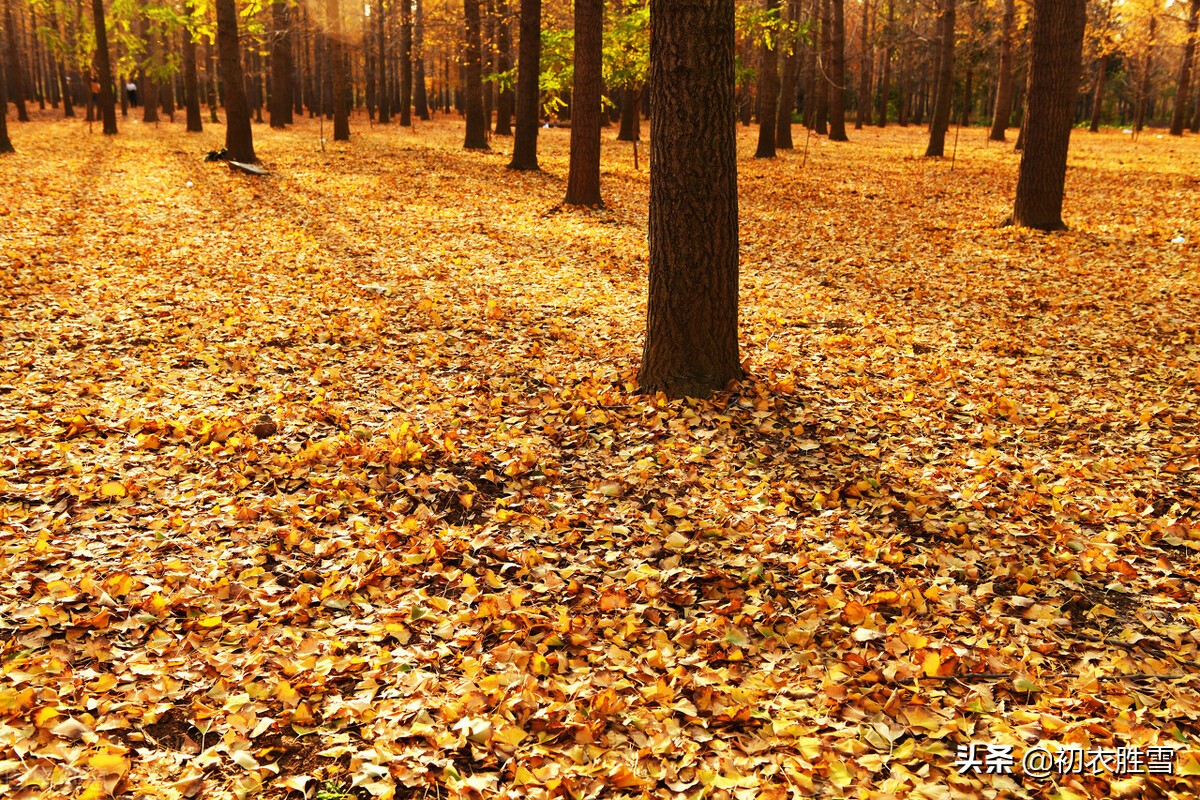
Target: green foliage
(332, 790)
(558, 68)
(627, 47)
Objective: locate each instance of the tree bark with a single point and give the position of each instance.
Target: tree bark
(504, 100)
(191, 84)
(1057, 52)
(768, 91)
(1179, 116)
(239, 139)
(885, 73)
(866, 59)
(1002, 111)
(420, 95)
(381, 81)
(528, 96)
(15, 75)
(788, 82)
(630, 118)
(476, 138)
(108, 107)
(6, 145)
(583, 176)
(336, 66)
(281, 65)
(691, 320)
(824, 79)
(945, 83)
(837, 89)
(406, 73)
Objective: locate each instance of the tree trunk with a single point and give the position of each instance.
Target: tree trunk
(885, 73)
(381, 81)
(239, 139)
(1179, 117)
(6, 145)
(476, 138)
(336, 67)
(1002, 111)
(583, 176)
(528, 96)
(1098, 93)
(1057, 52)
(788, 82)
(866, 60)
(504, 101)
(810, 65)
(940, 122)
(691, 319)
(837, 89)
(191, 85)
(768, 91)
(108, 107)
(14, 65)
(421, 96)
(1195, 127)
(406, 75)
(630, 119)
(820, 127)
(281, 65)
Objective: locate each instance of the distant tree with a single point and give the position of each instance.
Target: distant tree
(420, 97)
(6, 145)
(691, 321)
(885, 77)
(866, 59)
(15, 74)
(504, 95)
(1056, 56)
(191, 83)
(280, 107)
(1182, 95)
(406, 73)
(476, 138)
(837, 69)
(108, 107)
(337, 69)
(239, 139)
(1002, 110)
(789, 79)
(768, 83)
(524, 155)
(627, 62)
(945, 82)
(583, 175)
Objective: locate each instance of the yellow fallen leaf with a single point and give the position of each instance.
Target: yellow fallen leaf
(108, 763)
(931, 664)
(113, 489)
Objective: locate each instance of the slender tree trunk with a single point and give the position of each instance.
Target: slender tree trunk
(865, 61)
(945, 83)
(1179, 117)
(811, 69)
(968, 91)
(630, 119)
(1057, 52)
(583, 176)
(787, 82)
(337, 70)
(15, 76)
(885, 73)
(504, 100)
(691, 321)
(837, 91)
(239, 139)
(60, 68)
(406, 75)
(528, 96)
(1098, 93)
(1002, 111)
(1195, 127)
(108, 108)
(6, 145)
(476, 138)
(768, 92)
(824, 73)
(191, 85)
(385, 113)
(281, 65)
(421, 97)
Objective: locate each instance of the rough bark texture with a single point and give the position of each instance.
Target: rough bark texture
(281, 65)
(945, 83)
(1002, 111)
(837, 69)
(14, 64)
(866, 58)
(583, 176)
(108, 106)
(1179, 116)
(528, 96)
(239, 139)
(1057, 52)
(768, 92)
(191, 83)
(476, 138)
(504, 98)
(691, 326)
(420, 96)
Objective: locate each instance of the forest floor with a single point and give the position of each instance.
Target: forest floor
(335, 482)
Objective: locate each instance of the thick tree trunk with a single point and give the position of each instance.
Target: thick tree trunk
(768, 92)
(691, 320)
(239, 139)
(108, 106)
(1179, 116)
(504, 100)
(476, 138)
(837, 89)
(528, 96)
(583, 176)
(420, 95)
(787, 83)
(1098, 93)
(406, 74)
(1002, 111)
(15, 75)
(281, 65)
(945, 83)
(866, 59)
(191, 84)
(1057, 52)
